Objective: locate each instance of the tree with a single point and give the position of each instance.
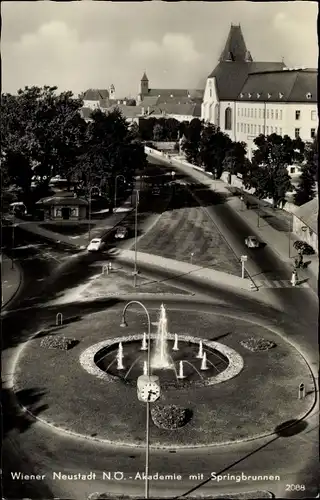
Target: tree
(146, 126)
(215, 146)
(158, 132)
(269, 174)
(42, 134)
(235, 161)
(306, 189)
(191, 144)
(110, 149)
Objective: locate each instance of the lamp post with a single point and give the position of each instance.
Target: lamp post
(135, 271)
(89, 216)
(115, 188)
(124, 324)
(13, 226)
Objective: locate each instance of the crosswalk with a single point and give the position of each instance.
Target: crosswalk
(279, 284)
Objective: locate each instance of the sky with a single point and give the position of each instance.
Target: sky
(93, 44)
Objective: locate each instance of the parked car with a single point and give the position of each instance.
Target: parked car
(121, 233)
(252, 242)
(95, 245)
(304, 247)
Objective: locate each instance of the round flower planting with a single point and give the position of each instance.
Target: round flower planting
(255, 345)
(170, 417)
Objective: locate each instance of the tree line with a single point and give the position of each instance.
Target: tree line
(44, 135)
(207, 146)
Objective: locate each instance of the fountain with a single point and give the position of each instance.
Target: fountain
(180, 375)
(120, 365)
(145, 368)
(200, 352)
(144, 345)
(161, 357)
(204, 364)
(175, 345)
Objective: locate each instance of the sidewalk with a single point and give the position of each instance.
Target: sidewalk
(11, 280)
(190, 272)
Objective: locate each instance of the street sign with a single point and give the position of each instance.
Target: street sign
(244, 258)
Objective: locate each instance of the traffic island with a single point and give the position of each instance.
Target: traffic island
(251, 404)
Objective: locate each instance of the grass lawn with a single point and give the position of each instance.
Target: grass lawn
(68, 228)
(255, 402)
(183, 231)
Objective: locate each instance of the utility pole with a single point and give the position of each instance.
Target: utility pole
(135, 272)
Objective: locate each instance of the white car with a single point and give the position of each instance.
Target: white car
(95, 245)
(252, 242)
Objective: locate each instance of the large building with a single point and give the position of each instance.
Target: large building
(247, 98)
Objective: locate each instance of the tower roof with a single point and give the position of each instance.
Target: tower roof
(144, 78)
(235, 48)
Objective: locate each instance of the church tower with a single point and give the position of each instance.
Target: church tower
(112, 92)
(144, 86)
(235, 49)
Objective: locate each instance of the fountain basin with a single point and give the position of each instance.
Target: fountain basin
(97, 360)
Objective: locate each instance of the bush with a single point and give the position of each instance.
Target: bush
(305, 248)
(58, 342)
(255, 345)
(170, 416)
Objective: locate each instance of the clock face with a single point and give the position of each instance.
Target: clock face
(150, 392)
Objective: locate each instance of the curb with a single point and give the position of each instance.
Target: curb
(4, 305)
(68, 432)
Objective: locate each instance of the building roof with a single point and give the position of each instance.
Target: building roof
(144, 77)
(95, 94)
(297, 85)
(235, 48)
(86, 113)
(308, 213)
(231, 76)
(188, 109)
(62, 199)
(150, 100)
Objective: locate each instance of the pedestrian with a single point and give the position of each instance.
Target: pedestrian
(294, 278)
(247, 205)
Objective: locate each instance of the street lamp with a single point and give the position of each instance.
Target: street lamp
(124, 324)
(115, 188)
(135, 271)
(90, 191)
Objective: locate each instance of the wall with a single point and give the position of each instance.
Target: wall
(164, 145)
(305, 122)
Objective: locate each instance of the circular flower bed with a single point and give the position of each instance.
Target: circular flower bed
(170, 416)
(257, 344)
(58, 342)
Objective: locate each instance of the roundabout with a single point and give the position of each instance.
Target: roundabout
(232, 393)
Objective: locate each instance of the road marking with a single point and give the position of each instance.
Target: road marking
(280, 284)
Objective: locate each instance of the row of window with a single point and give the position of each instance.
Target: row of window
(249, 128)
(260, 113)
(272, 114)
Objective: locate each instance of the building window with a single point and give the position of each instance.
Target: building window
(237, 127)
(280, 114)
(298, 113)
(242, 112)
(267, 114)
(259, 113)
(238, 112)
(276, 114)
(228, 119)
(275, 130)
(280, 130)
(251, 129)
(271, 114)
(255, 113)
(259, 129)
(297, 133)
(255, 129)
(271, 130)
(210, 92)
(292, 170)
(263, 114)
(312, 133)
(313, 115)
(267, 131)
(251, 112)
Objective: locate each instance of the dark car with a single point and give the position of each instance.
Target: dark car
(304, 247)
(122, 232)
